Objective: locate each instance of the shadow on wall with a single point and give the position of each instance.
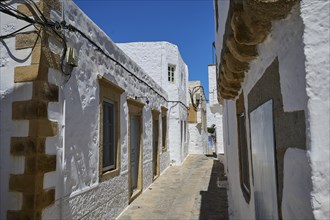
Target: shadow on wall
(214, 204)
(199, 127)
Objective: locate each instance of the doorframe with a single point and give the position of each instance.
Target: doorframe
(155, 116)
(135, 108)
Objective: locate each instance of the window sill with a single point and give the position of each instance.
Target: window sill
(109, 174)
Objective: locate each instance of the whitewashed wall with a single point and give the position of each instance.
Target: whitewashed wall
(10, 92)
(198, 136)
(79, 193)
(214, 109)
(285, 42)
(154, 58)
(316, 19)
(214, 117)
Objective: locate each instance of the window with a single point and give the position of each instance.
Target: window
(164, 129)
(243, 152)
(216, 14)
(181, 131)
(109, 149)
(155, 143)
(227, 122)
(243, 148)
(171, 70)
(109, 136)
(185, 131)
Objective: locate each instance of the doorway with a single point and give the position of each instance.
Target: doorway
(134, 149)
(155, 144)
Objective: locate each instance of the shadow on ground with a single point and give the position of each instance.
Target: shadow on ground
(214, 204)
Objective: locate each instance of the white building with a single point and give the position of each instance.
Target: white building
(197, 122)
(163, 62)
(86, 142)
(214, 112)
(273, 74)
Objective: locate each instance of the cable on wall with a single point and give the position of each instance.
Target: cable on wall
(56, 26)
(192, 93)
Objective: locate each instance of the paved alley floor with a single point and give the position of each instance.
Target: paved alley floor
(195, 190)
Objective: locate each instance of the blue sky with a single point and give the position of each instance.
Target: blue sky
(186, 23)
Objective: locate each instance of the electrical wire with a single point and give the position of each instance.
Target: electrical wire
(53, 25)
(98, 48)
(16, 32)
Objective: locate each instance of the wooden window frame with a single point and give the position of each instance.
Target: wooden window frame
(241, 117)
(109, 91)
(216, 8)
(164, 142)
(170, 73)
(155, 116)
(135, 108)
(111, 167)
(185, 131)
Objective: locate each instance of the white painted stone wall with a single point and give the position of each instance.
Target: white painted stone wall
(198, 136)
(304, 73)
(316, 19)
(214, 109)
(223, 7)
(79, 193)
(214, 117)
(10, 92)
(212, 77)
(154, 58)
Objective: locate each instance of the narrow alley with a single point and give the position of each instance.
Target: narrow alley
(126, 110)
(195, 190)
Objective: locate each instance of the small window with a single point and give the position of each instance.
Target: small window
(185, 131)
(181, 131)
(109, 128)
(243, 152)
(171, 70)
(109, 136)
(164, 129)
(243, 148)
(216, 15)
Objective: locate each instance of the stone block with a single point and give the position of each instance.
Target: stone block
(27, 146)
(26, 73)
(26, 183)
(30, 109)
(42, 128)
(40, 164)
(45, 91)
(26, 40)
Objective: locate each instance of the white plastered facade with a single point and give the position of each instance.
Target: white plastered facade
(301, 44)
(154, 58)
(197, 129)
(214, 110)
(9, 93)
(79, 193)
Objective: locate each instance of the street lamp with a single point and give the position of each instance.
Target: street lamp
(199, 98)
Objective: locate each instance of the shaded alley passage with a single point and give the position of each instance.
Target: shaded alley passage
(195, 190)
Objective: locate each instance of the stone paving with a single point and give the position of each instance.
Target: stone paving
(195, 190)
